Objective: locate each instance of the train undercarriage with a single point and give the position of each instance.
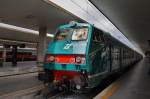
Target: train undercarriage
(65, 80)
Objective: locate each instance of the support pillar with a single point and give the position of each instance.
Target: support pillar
(41, 47)
(3, 58)
(4, 54)
(14, 55)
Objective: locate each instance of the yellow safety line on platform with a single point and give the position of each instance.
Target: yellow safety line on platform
(112, 90)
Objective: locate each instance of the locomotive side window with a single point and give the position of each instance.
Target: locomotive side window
(94, 37)
(97, 36)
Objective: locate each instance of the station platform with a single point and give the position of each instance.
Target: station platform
(19, 85)
(134, 84)
(22, 67)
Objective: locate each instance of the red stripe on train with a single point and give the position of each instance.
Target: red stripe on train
(60, 74)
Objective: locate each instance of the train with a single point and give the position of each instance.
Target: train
(23, 54)
(80, 56)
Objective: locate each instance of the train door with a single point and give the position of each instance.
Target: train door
(121, 58)
(125, 57)
(115, 57)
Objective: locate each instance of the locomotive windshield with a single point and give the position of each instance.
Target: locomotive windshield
(63, 34)
(73, 34)
(80, 34)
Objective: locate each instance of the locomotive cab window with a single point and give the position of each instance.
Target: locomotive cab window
(76, 34)
(63, 34)
(80, 34)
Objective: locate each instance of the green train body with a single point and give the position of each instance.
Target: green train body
(80, 56)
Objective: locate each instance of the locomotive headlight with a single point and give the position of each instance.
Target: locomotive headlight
(50, 58)
(78, 59)
(83, 60)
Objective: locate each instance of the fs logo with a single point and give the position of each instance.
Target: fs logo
(67, 46)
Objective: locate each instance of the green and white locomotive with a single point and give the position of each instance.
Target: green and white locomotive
(80, 56)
